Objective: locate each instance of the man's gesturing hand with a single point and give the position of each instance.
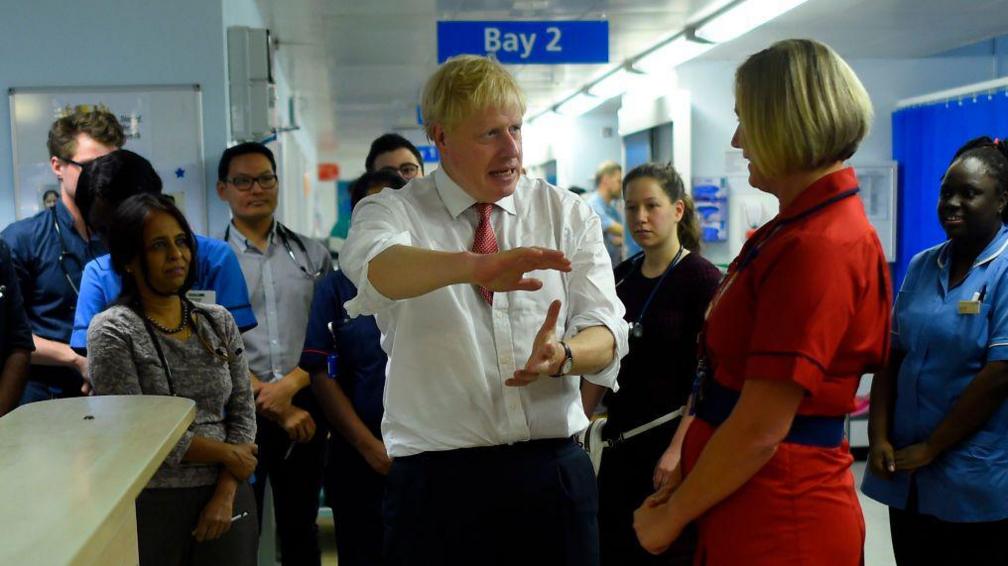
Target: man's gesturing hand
(547, 353)
(505, 271)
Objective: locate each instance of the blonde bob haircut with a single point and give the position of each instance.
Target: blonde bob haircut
(801, 107)
(466, 84)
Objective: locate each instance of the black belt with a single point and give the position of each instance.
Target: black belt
(717, 403)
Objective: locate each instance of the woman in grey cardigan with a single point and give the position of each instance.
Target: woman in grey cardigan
(198, 508)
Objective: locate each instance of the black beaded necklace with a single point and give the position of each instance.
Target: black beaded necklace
(177, 329)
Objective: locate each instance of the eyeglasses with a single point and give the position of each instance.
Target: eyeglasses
(81, 164)
(266, 182)
(406, 170)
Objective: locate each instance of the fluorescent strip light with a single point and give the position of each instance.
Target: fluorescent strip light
(743, 17)
(614, 84)
(579, 104)
(671, 55)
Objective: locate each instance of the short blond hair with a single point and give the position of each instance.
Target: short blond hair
(466, 84)
(605, 169)
(801, 107)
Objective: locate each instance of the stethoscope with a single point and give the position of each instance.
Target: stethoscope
(64, 253)
(637, 326)
(310, 272)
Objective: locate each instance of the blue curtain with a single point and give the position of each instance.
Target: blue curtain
(924, 140)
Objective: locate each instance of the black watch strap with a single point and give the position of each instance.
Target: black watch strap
(567, 363)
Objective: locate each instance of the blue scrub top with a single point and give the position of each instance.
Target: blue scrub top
(14, 330)
(944, 352)
(45, 280)
(356, 342)
(217, 270)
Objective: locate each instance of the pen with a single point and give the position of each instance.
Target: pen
(241, 515)
(290, 448)
(983, 291)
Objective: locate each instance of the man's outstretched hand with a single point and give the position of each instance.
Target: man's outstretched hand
(505, 271)
(547, 353)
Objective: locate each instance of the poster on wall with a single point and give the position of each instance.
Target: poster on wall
(162, 123)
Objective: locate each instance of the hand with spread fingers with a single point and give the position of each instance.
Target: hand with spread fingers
(505, 271)
(547, 352)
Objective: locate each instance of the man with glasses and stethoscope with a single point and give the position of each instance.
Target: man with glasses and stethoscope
(49, 251)
(281, 269)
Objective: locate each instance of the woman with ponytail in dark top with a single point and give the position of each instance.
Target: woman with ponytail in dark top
(938, 427)
(665, 289)
(198, 508)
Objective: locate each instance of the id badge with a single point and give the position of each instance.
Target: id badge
(969, 307)
(207, 297)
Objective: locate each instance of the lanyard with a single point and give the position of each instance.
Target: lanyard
(750, 252)
(636, 327)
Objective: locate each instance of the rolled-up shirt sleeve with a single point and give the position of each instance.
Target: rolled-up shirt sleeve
(591, 291)
(377, 225)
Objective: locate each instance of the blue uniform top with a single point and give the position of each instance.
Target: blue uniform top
(944, 352)
(217, 270)
(608, 214)
(356, 342)
(48, 257)
(14, 329)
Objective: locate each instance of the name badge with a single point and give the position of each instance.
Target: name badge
(207, 297)
(969, 307)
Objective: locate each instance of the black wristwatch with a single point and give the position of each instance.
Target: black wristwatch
(568, 364)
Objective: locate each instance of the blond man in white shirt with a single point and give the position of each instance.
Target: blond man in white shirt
(495, 298)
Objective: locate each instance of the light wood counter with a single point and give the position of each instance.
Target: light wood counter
(71, 469)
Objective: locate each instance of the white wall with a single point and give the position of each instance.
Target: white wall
(114, 42)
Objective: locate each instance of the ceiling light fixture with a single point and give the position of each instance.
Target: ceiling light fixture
(742, 18)
(578, 104)
(671, 55)
(614, 84)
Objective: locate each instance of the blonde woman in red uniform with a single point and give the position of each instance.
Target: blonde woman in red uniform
(802, 313)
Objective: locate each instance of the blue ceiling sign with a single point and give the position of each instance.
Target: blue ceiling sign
(429, 153)
(544, 43)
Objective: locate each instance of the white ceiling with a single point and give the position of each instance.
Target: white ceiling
(358, 66)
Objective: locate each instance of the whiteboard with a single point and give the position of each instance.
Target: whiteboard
(878, 192)
(162, 123)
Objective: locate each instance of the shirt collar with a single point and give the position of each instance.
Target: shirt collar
(270, 238)
(458, 201)
(823, 189)
(994, 249)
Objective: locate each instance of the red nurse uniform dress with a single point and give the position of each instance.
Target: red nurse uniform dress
(807, 301)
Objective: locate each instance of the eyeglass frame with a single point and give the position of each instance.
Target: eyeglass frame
(253, 181)
(399, 170)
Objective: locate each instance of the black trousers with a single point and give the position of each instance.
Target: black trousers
(920, 539)
(529, 503)
(354, 492)
(296, 480)
(165, 521)
(625, 480)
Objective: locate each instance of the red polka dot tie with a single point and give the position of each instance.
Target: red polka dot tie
(485, 241)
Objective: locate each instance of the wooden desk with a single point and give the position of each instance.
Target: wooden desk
(70, 471)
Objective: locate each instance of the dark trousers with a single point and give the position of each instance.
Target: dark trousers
(920, 539)
(528, 503)
(296, 480)
(625, 480)
(354, 492)
(167, 517)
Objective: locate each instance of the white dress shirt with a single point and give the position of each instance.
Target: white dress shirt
(449, 351)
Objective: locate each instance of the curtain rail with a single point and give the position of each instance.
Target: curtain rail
(954, 93)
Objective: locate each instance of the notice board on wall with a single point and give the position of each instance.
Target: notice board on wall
(878, 192)
(162, 123)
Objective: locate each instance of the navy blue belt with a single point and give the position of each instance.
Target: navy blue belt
(717, 403)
